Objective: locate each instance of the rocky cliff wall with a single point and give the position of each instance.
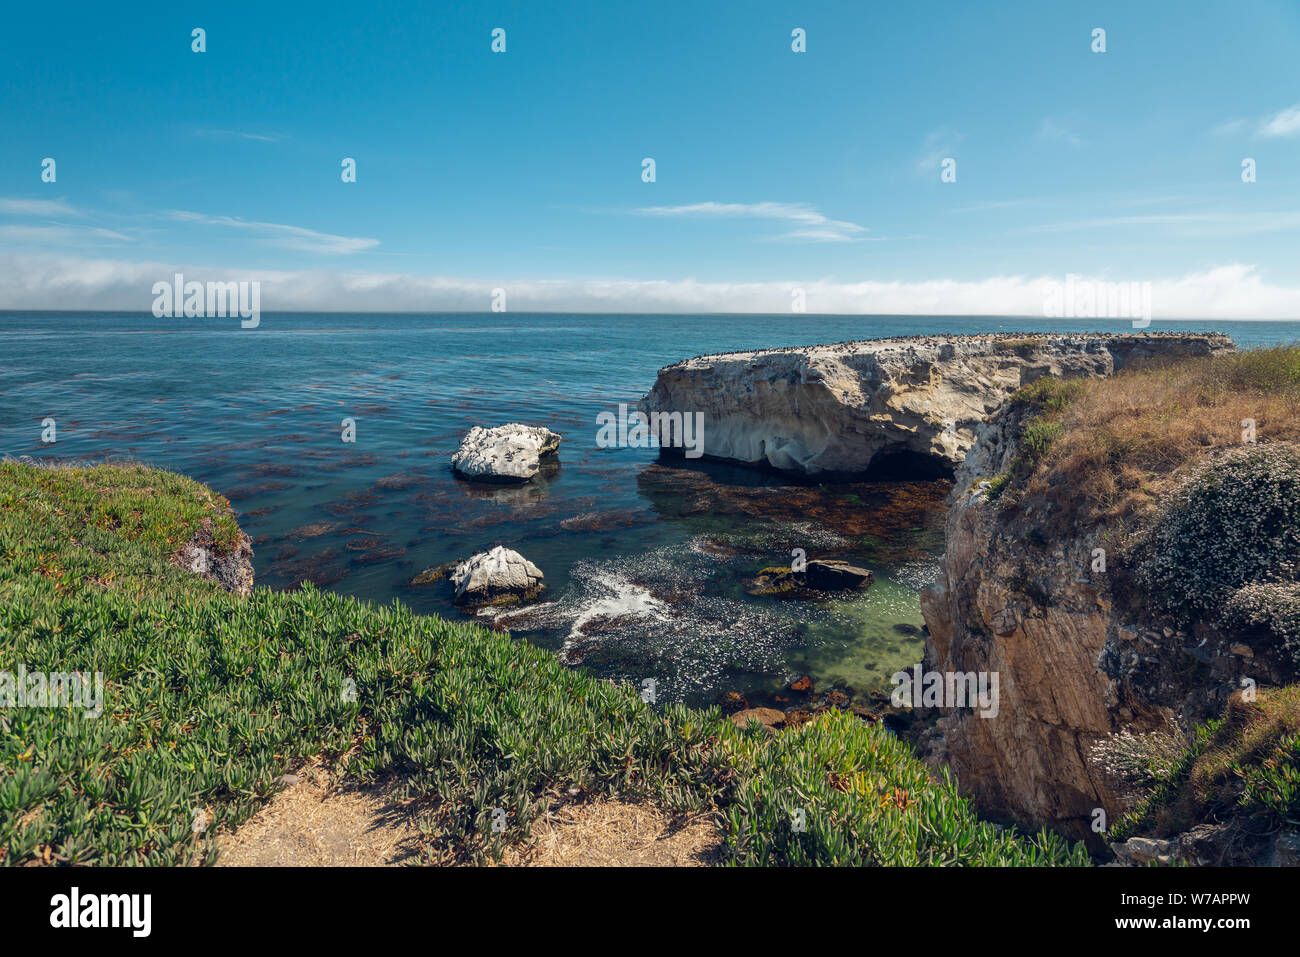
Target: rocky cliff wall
(1078, 658)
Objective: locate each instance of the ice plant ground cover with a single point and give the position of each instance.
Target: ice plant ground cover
(210, 698)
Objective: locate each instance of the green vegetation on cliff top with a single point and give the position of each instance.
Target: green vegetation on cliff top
(210, 698)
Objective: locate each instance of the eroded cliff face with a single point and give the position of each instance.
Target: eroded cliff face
(1077, 658)
(903, 405)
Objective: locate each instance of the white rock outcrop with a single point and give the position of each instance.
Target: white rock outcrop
(492, 575)
(507, 453)
(849, 407)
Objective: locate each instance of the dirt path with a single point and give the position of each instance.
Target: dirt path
(306, 825)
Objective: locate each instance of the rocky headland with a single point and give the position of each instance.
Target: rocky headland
(1041, 583)
(884, 407)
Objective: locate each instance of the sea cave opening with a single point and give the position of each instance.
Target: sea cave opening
(906, 465)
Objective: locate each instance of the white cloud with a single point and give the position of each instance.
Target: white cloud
(51, 282)
(1284, 123)
(1230, 128)
(278, 234)
(263, 137)
(36, 207)
(59, 234)
(940, 144)
(985, 206)
(1216, 224)
(1052, 132)
(813, 225)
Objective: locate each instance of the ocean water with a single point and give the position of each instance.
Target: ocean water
(645, 563)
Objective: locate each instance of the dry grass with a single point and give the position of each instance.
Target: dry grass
(312, 824)
(611, 833)
(1125, 439)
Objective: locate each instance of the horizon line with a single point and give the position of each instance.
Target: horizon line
(580, 312)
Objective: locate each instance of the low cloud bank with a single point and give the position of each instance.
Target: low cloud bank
(49, 282)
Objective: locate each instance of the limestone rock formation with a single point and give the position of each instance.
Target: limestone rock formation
(507, 453)
(493, 576)
(909, 405)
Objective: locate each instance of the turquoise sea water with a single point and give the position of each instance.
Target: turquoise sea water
(645, 562)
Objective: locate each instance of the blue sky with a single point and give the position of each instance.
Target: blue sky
(772, 166)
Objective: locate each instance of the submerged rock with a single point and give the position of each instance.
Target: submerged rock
(494, 577)
(775, 580)
(507, 453)
(437, 573)
(732, 701)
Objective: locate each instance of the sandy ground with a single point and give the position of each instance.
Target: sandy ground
(616, 834)
(308, 825)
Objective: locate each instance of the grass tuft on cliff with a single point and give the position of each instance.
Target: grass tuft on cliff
(1242, 769)
(209, 698)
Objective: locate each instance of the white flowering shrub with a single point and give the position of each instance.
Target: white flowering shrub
(1234, 522)
(1272, 605)
(1135, 763)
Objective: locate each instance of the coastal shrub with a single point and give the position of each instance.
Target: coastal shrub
(838, 791)
(1036, 439)
(1241, 769)
(1234, 521)
(1039, 405)
(998, 484)
(1274, 606)
(1048, 393)
(1135, 763)
(209, 699)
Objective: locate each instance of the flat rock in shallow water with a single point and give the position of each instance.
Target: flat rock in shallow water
(833, 575)
(496, 575)
(822, 574)
(507, 453)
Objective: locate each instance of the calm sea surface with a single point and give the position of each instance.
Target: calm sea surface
(646, 564)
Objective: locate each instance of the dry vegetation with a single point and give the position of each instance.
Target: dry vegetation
(1124, 441)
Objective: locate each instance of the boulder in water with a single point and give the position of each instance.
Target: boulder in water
(507, 453)
(498, 576)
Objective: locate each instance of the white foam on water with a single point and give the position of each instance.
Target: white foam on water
(622, 599)
(671, 614)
